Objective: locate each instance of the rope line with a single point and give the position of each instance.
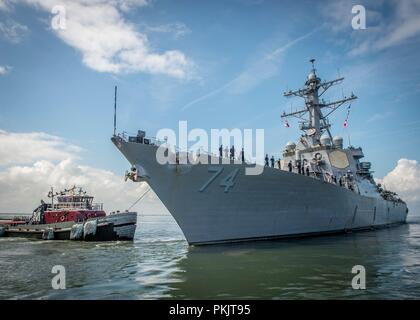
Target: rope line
(141, 197)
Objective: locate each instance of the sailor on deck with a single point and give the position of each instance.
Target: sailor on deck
(299, 166)
(40, 211)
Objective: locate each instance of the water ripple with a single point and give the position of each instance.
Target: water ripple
(159, 264)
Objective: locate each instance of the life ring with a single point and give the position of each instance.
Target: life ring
(318, 156)
(62, 218)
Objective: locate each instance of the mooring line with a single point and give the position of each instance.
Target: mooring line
(138, 199)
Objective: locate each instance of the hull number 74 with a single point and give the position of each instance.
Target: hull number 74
(227, 182)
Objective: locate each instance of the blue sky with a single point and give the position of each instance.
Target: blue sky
(233, 61)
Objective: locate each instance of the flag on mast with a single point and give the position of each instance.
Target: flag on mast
(347, 116)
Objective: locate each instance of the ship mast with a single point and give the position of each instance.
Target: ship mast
(314, 88)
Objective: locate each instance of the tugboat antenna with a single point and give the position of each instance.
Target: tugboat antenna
(52, 198)
(115, 111)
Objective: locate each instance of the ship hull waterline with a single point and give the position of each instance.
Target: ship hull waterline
(274, 204)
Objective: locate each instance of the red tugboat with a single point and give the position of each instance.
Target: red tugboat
(73, 216)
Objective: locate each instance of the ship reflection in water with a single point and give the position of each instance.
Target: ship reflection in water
(159, 264)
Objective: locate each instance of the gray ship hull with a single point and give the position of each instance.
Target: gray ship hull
(274, 204)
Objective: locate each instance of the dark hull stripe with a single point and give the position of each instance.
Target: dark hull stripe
(300, 235)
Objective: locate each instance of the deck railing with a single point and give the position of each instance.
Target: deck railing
(158, 142)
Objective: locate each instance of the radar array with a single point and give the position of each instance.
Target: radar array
(316, 123)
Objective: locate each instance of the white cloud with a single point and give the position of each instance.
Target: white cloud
(380, 116)
(383, 31)
(404, 179)
(4, 70)
(12, 31)
(404, 25)
(207, 95)
(24, 148)
(109, 43)
(264, 68)
(261, 70)
(178, 29)
(22, 186)
(337, 14)
(4, 5)
(126, 5)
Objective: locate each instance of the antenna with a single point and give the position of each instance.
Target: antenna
(313, 64)
(52, 198)
(115, 110)
(312, 91)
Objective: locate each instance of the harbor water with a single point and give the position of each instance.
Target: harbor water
(160, 265)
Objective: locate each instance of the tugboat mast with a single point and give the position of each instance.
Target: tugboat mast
(51, 195)
(314, 88)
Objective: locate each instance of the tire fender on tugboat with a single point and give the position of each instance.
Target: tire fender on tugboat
(76, 232)
(90, 228)
(48, 234)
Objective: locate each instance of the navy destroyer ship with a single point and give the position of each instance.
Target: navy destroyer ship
(319, 187)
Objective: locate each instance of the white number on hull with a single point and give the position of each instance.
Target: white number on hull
(217, 172)
(227, 182)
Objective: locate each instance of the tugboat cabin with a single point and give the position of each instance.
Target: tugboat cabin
(71, 205)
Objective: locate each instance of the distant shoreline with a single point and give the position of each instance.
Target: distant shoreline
(8, 216)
